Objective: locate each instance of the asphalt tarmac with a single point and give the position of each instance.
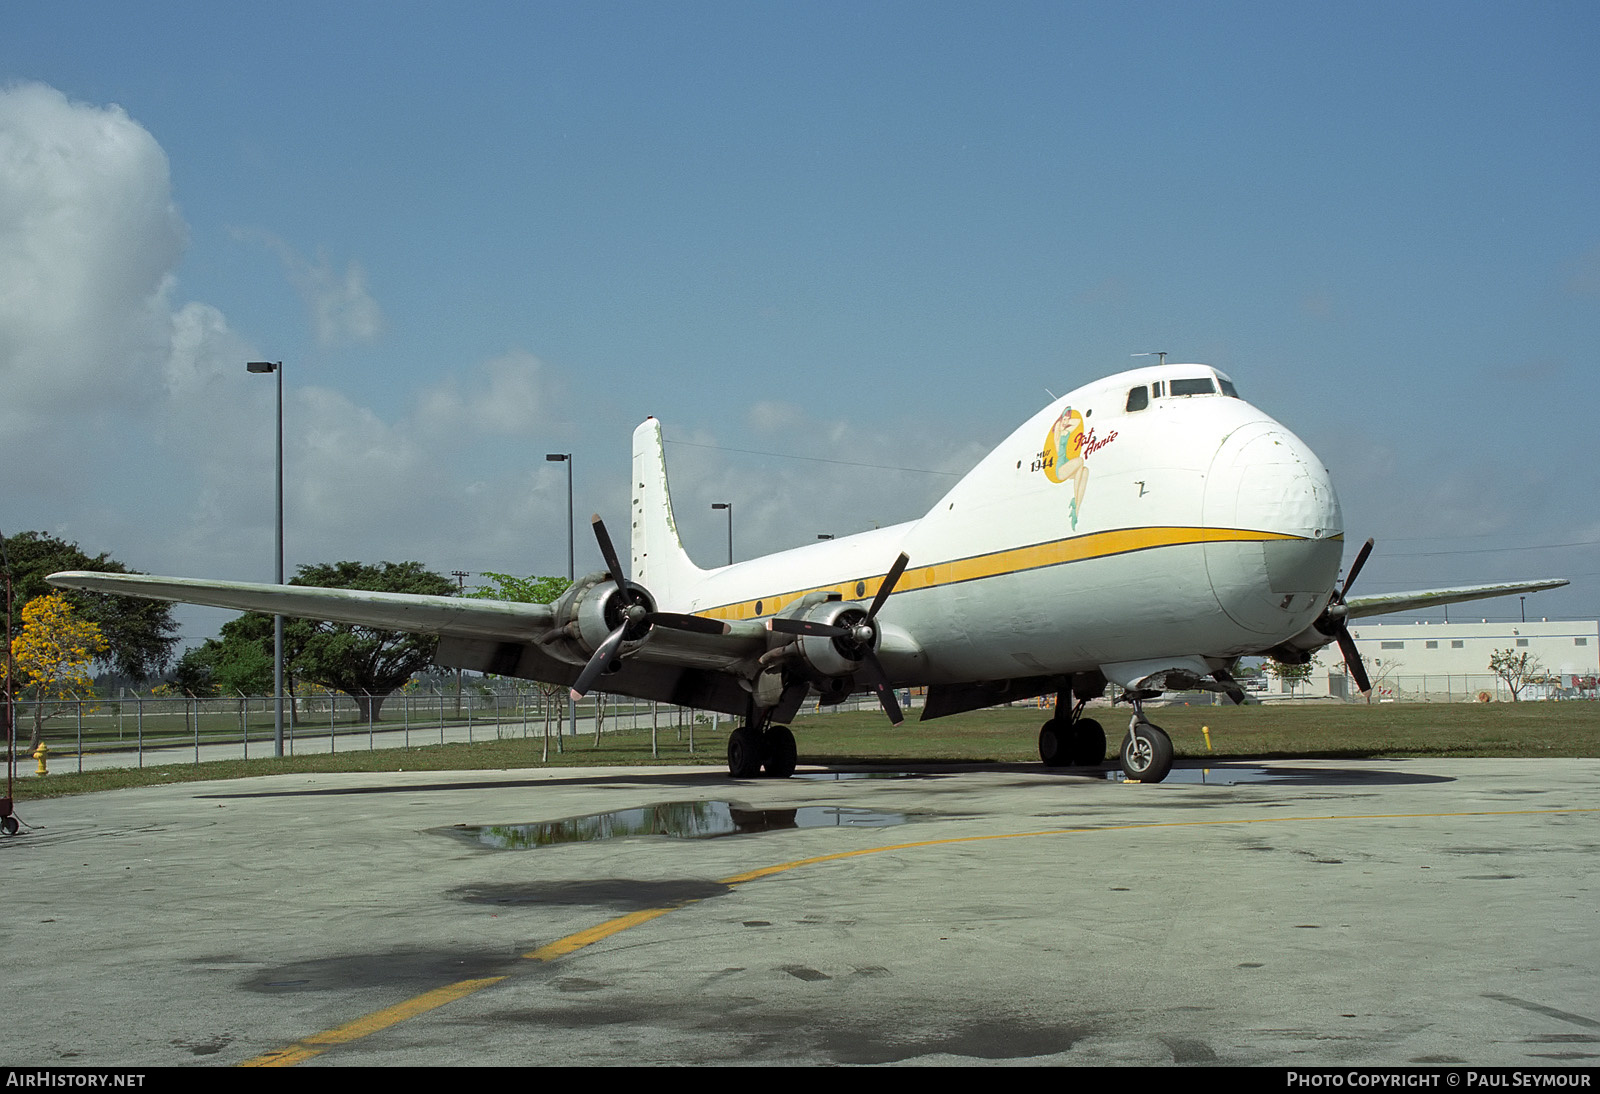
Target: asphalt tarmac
(1299, 913)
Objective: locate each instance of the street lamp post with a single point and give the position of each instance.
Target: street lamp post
(728, 505)
(277, 620)
(461, 582)
(572, 571)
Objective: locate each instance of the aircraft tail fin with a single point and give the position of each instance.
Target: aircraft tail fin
(660, 563)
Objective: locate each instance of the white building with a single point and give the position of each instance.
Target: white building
(1564, 647)
(1449, 662)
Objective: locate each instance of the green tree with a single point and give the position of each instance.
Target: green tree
(524, 590)
(531, 590)
(1517, 670)
(240, 663)
(365, 663)
(140, 634)
(1286, 673)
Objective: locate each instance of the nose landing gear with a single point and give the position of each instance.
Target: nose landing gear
(1147, 751)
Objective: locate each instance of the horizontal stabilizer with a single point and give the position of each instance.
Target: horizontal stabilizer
(463, 617)
(1384, 603)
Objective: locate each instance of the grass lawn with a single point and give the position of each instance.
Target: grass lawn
(1008, 735)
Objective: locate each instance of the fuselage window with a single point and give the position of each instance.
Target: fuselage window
(1138, 398)
(1227, 388)
(1202, 386)
(1155, 389)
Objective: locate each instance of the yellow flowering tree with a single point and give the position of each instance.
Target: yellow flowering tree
(51, 657)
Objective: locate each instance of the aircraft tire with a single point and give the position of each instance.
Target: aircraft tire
(744, 753)
(1088, 743)
(1054, 739)
(781, 754)
(11, 825)
(1147, 757)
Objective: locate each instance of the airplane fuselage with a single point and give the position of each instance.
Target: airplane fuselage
(1111, 526)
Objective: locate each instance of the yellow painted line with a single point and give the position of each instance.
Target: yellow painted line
(574, 942)
(369, 1024)
(372, 1023)
(1118, 541)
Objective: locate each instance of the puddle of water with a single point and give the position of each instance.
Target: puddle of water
(845, 776)
(1211, 776)
(1232, 775)
(680, 820)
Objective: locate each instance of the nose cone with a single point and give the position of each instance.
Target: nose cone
(1264, 484)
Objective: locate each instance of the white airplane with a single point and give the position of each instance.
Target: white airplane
(1137, 535)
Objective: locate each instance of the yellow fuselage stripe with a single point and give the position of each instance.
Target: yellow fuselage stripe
(1119, 541)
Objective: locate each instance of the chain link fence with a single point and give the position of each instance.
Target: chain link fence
(131, 730)
(1430, 688)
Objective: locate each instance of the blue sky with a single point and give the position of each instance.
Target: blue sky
(872, 233)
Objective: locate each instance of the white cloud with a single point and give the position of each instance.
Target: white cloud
(89, 236)
(507, 395)
(341, 307)
(143, 435)
(342, 310)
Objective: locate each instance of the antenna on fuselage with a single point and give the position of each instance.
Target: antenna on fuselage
(1161, 353)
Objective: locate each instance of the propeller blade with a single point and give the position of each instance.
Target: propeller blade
(607, 550)
(1355, 567)
(807, 627)
(597, 664)
(1352, 659)
(698, 624)
(889, 581)
(872, 670)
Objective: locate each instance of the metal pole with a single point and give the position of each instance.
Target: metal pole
(728, 505)
(461, 580)
(277, 620)
(572, 576)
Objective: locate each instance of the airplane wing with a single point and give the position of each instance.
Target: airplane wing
(446, 616)
(1385, 603)
(505, 638)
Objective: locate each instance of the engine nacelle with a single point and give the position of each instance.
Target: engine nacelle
(1299, 649)
(591, 609)
(840, 655)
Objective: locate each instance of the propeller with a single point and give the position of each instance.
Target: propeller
(855, 635)
(635, 613)
(1333, 622)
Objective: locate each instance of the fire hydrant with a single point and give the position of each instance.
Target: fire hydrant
(39, 754)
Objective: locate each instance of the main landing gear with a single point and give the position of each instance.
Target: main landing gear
(1074, 741)
(750, 750)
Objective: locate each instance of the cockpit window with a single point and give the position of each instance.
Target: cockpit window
(1197, 386)
(1138, 398)
(1227, 388)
